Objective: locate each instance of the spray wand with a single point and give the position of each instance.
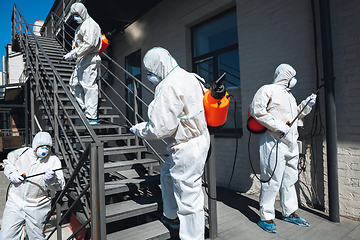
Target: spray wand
(297, 116)
(38, 174)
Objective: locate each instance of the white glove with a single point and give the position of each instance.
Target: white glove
(49, 174)
(311, 99)
(16, 177)
(285, 129)
(133, 130)
(68, 56)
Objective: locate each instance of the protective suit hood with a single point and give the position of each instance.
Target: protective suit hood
(159, 62)
(41, 138)
(283, 73)
(79, 9)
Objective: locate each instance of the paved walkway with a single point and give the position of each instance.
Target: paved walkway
(238, 215)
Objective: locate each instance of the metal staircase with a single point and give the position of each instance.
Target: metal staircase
(112, 183)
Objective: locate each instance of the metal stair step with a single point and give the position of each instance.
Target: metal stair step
(154, 230)
(75, 116)
(109, 137)
(123, 150)
(132, 208)
(131, 164)
(99, 126)
(59, 69)
(132, 184)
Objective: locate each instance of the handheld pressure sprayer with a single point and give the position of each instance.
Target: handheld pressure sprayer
(256, 124)
(216, 104)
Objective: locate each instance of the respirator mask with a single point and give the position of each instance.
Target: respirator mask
(42, 151)
(292, 82)
(153, 78)
(78, 19)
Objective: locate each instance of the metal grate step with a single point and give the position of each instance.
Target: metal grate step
(132, 208)
(126, 185)
(131, 164)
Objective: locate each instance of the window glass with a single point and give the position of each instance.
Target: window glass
(215, 34)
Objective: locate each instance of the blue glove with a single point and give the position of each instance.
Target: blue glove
(311, 99)
(285, 129)
(133, 130)
(48, 175)
(16, 177)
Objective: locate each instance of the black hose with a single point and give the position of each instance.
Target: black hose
(272, 174)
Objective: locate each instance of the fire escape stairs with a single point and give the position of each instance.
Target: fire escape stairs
(132, 185)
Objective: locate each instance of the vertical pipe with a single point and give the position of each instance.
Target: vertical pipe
(4, 70)
(3, 77)
(330, 110)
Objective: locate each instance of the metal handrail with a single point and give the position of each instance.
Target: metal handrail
(105, 82)
(93, 151)
(21, 32)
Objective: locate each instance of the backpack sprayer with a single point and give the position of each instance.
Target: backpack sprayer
(104, 44)
(255, 127)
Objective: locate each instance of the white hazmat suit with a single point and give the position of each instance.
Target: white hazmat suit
(272, 106)
(86, 47)
(177, 115)
(29, 201)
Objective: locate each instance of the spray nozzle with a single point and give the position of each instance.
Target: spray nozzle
(218, 89)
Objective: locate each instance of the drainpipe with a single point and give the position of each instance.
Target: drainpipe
(4, 70)
(330, 110)
(2, 90)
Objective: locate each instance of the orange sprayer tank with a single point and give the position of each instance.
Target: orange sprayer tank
(105, 43)
(254, 126)
(216, 109)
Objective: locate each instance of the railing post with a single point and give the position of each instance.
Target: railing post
(210, 169)
(32, 111)
(135, 114)
(97, 193)
(26, 114)
(52, 26)
(56, 113)
(58, 218)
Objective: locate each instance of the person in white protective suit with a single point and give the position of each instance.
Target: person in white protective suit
(273, 106)
(86, 47)
(177, 115)
(28, 201)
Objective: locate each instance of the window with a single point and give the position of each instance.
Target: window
(133, 66)
(215, 51)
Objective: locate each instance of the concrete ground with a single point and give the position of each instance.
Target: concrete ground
(238, 214)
